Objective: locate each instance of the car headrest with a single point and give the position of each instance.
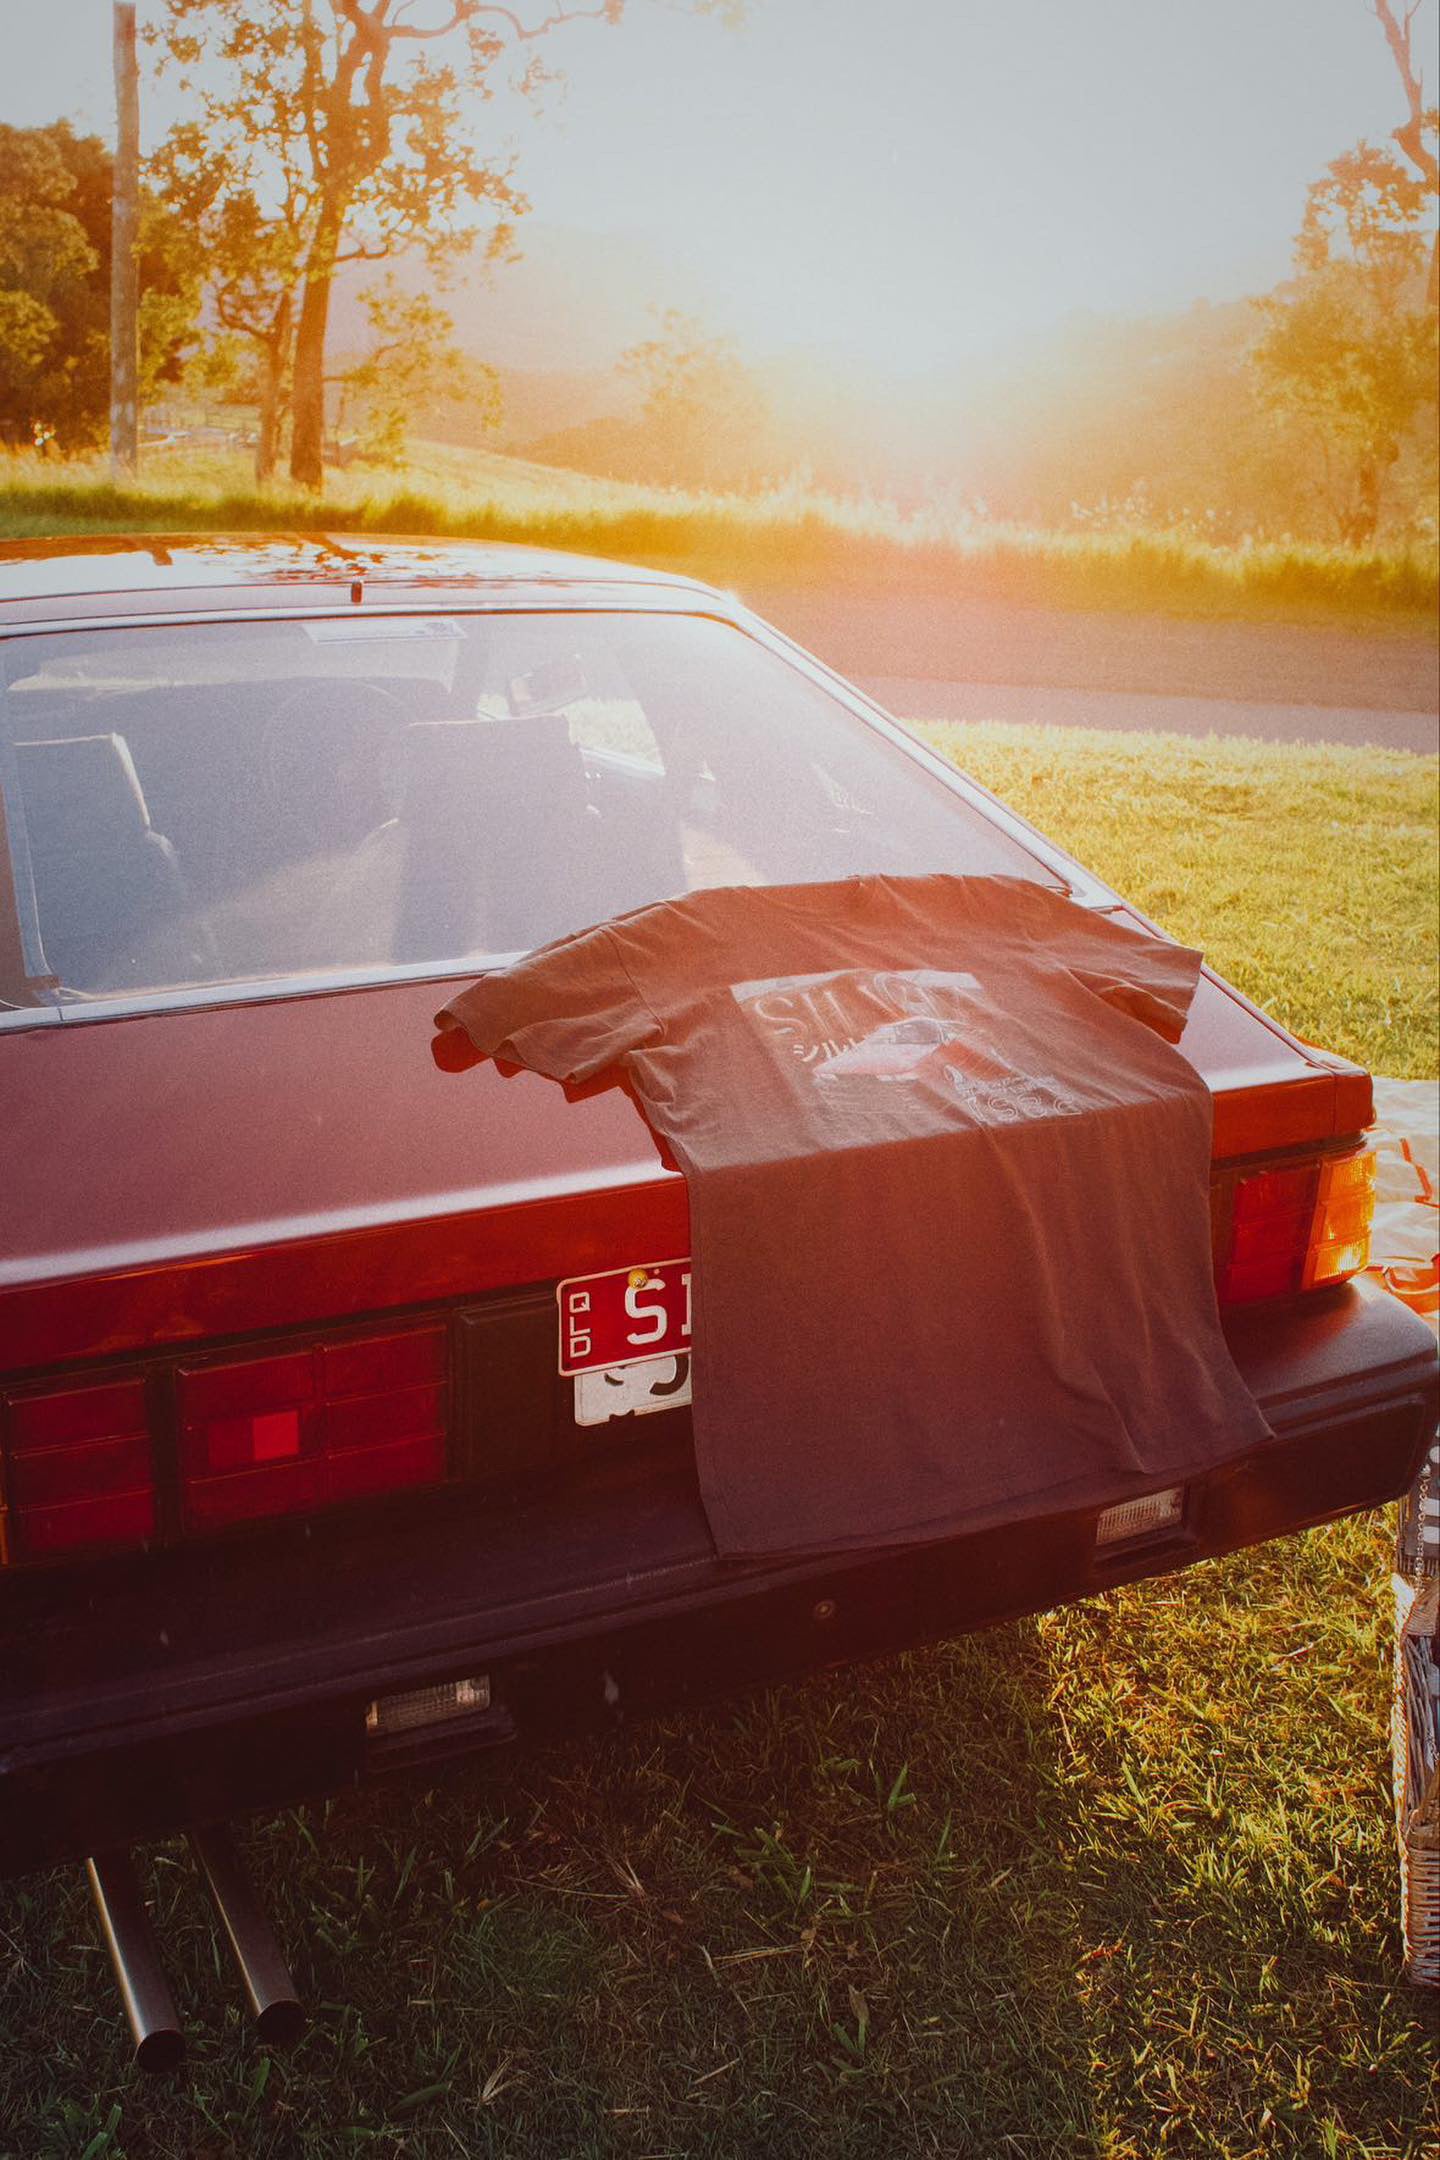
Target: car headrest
(85, 784)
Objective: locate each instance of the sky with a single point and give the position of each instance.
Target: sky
(900, 183)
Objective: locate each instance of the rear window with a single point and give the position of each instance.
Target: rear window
(233, 803)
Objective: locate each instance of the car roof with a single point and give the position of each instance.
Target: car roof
(119, 573)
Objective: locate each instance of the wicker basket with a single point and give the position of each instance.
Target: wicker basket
(1415, 1746)
(1417, 1554)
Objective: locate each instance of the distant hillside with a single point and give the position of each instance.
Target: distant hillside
(1101, 423)
(534, 408)
(568, 305)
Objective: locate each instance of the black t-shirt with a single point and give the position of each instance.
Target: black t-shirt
(948, 1194)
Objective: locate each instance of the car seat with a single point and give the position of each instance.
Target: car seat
(112, 906)
(497, 836)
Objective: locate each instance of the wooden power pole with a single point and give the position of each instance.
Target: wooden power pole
(124, 258)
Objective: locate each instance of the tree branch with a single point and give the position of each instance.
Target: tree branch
(1397, 37)
(603, 13)
(376, 33)
(1411, 137)
(311, 90)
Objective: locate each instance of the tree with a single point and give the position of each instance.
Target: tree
(46, 268)
(218, 181)
(369, 108)
(413, 363)
(706, 422)
(328, 134)
(55, 288)
(1417, 135)
(1349, 353)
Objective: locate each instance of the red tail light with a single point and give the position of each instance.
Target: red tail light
(1298, 1226)
(301, 1429)
(77, 1471)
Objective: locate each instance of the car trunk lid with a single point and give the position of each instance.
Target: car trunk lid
(222, 1169)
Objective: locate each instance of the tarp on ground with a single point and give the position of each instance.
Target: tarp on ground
(1405, 1246)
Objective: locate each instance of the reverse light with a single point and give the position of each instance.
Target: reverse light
(77, 1471)
(419, 1708)
(1146, 1517)
(302, 1429)
(1299, 1226)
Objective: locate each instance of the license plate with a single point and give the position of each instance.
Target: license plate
(627, 1316)
(632, 1390)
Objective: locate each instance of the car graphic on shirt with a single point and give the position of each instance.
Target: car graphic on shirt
(902, 1049)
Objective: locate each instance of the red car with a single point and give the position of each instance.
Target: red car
(304, 1469)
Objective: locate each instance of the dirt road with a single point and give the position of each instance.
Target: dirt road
(1141, 709)
(931, 658)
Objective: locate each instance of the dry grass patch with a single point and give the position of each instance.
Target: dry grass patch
(789, 534)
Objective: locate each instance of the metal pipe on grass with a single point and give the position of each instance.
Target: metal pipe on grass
(130, 1939)
(269, 1990)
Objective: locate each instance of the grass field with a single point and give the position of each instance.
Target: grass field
(1112, 1884)
(790, 534)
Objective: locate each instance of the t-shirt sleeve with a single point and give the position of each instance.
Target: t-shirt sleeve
(568, 1011)
(1134, 970)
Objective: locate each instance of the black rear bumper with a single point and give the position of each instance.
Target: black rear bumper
(208, 1683)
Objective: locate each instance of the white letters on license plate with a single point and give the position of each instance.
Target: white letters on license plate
(632, 1390)
(624, 1316)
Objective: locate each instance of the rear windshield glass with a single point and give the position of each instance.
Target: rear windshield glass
(246, 802)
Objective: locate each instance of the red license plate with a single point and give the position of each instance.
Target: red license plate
(624, 1316)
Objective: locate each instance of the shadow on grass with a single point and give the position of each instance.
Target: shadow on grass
(833, 1919)
(937, 1906)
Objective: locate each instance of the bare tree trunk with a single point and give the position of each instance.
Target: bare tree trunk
(1360, 521)
(124, 262)
(1366, 516)
(267, 439)
(272, 393)
(307, 434)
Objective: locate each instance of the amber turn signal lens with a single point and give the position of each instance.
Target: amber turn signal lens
(1298, 1226)
(1339, 1244)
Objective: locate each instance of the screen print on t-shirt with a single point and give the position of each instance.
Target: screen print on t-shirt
(948, 1193)
(912, 1027)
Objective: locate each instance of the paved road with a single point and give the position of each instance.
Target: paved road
(929, 657)
(912, 698)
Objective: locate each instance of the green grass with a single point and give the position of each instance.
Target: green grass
(789, 534)
(1306, 873)
(1114, 1884)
